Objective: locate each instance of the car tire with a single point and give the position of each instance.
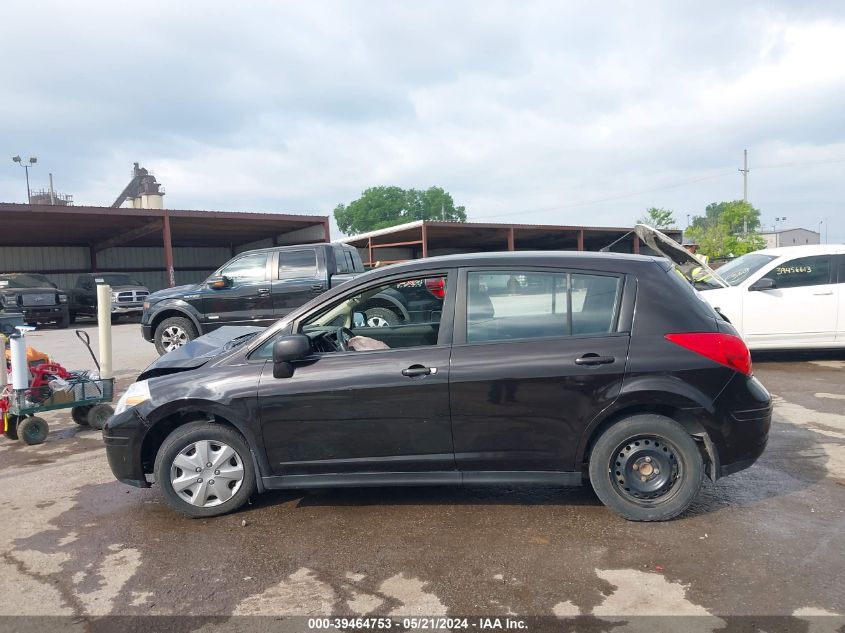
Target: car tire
(172, 333)
(381, 317)
(71, 317)
(98, 415)
(646, 468)
(64, 322)
(80, 415)
(181, 452)
(33, 430)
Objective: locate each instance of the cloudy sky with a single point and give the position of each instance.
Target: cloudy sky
(539, 112)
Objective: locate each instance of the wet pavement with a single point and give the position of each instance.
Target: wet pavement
(767, 541)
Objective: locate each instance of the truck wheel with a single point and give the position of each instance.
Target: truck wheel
(205, 469)
(99, 415)
(64, 322)
(72, 316)
(33, 430)
(381, 317)
(173, 333)
(646, 468)
(11, 427)
(80, 415)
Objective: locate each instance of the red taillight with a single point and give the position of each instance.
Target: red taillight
(436, 286)
(726, 349)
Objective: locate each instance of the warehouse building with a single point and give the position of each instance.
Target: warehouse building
(426, 238)
(790, 237)
(159, 247)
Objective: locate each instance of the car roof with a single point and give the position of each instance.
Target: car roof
(804, 250)
(585, 259)
(288, 247)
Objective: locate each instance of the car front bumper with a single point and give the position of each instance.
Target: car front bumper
(123, 436)
(131, 308)
(44, 314)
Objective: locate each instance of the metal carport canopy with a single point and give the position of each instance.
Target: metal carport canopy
(106, 227)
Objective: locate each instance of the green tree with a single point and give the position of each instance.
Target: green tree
(727, 229)
(658, 218)
(380, 207)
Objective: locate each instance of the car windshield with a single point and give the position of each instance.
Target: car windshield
(116, 279)
(23, 281)
(738, 270)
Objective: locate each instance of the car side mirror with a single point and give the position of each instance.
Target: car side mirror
(219, 283)
(764, 283)
(288, 349)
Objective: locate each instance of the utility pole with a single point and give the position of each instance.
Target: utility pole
(744, 172)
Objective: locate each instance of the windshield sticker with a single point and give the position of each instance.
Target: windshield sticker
(99, 280)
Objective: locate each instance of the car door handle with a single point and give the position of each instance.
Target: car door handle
(595, 359)
(317, 288)
(414, 371)
(263, 292)
(822, 293)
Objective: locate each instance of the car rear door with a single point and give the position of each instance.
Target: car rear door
(802, 309)
(299, 277)
(537, 354)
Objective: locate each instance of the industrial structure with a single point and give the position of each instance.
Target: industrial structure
(426, 238)
(159, 247)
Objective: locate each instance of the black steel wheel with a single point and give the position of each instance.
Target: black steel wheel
(646, 468)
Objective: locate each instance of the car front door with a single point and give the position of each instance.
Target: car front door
(801, 309)
(381, 409)
(246, 300)
(298, 278)
(536, 355)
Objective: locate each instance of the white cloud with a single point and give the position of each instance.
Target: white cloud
(514, 108)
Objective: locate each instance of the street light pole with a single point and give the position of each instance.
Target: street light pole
(32, 161)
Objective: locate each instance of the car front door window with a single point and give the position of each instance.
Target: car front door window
(249, 268)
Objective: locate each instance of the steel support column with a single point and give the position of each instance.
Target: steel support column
(168, 250)
(581, 240)
(424, 240)
(636, 244)
(511, 246)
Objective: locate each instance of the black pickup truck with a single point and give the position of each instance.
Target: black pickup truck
(33, 298)
(254, 288)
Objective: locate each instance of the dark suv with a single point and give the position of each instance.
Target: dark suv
(531, 368)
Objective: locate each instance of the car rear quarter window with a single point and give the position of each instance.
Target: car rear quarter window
(804, 271)
(513, 305)
(298, 264)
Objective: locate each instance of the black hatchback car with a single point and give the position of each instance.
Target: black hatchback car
(524, 368)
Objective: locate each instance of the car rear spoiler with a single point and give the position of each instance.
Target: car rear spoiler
(690, 267)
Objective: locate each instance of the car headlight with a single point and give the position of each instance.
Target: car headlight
(137, 393)
(146, 305)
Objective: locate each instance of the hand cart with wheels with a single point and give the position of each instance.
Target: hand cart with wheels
(83, 392)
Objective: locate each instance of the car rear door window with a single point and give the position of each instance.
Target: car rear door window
(298, 264)
(804, 271)
(512, 305)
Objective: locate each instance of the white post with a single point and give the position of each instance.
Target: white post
(4, 377)
(104, 328)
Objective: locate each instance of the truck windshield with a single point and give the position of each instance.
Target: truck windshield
(738, 270)
(116, 279)
(23, 281)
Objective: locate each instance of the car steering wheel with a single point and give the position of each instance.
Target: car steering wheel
(343, 335)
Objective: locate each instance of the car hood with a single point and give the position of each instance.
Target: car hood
(31, 291)
(128, 288)
(683, 259)
(198, 352)
(176, 291)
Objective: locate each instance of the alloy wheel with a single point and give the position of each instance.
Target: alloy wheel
(173, 337)
(207, 473)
